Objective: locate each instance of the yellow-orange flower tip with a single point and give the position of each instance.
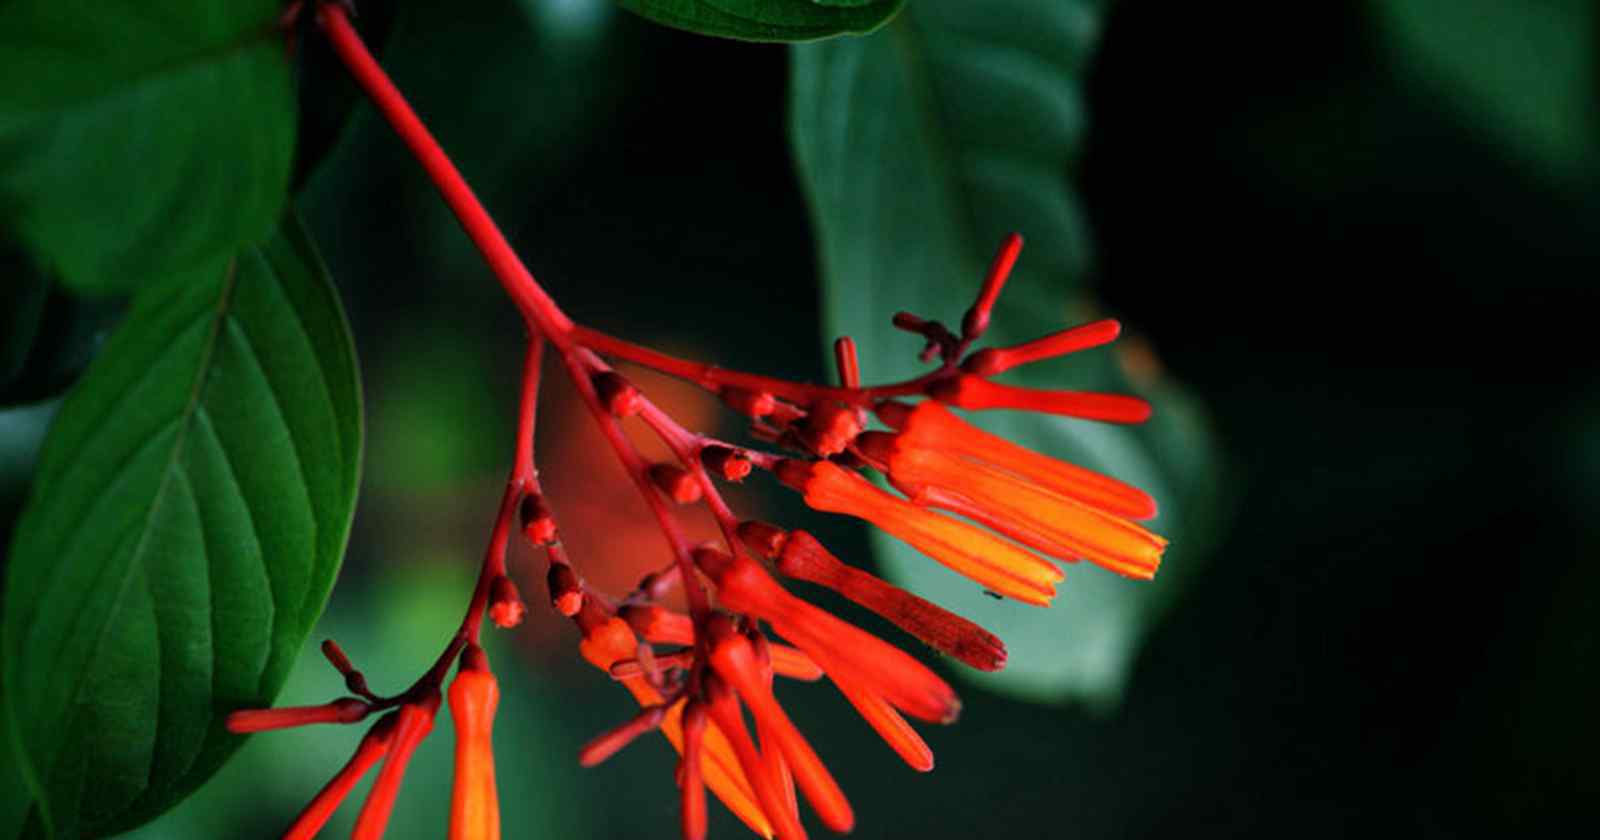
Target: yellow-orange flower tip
(566, 591)
(734, 659)
(373, 747)
(506, 608)
(978, 394)
(932, 426)
(343, 710)
(998, 565)
(890, 726)
(414, 722)
(803, 557)
(474, 803)
(832, 643)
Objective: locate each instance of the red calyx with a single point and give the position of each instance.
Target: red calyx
(676, 482)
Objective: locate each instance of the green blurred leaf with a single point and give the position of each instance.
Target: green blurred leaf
(187, 520)
(47, 337)
(1525, 72)
(922, 146)
(768, 20)
(141, 137)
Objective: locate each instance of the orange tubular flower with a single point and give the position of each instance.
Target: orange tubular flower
(474, 804)
(836, 645)
(1055, 507)
(413, 722)
(608, 640)
(998, 565)
(735, 660)
(374, 746)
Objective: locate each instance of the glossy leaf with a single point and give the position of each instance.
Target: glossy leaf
(187, 520)
(921, 147)
(141, 137)
(768, 20)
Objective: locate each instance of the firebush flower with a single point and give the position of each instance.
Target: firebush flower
(991, 510)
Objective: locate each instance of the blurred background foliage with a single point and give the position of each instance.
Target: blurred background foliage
(1363, 235)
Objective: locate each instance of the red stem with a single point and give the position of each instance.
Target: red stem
(536, 305)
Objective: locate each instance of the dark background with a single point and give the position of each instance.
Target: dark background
(1384, 304)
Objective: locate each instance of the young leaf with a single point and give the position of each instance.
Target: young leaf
(187, 520)
(141, 137)
(921, 147)
(768, 20)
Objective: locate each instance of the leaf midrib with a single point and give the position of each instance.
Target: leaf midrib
(186, 420)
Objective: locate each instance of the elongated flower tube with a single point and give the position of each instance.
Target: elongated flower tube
(607, 640)
(930, 425)
(799, 555)
(836, 645)
(413, 722)
(735, 660)
(474, 804)
(374, 746)
(998, 565)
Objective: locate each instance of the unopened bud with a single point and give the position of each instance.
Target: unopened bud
(676, 482)
(566, 591)
(506, 608)
(749, 403)
(829, 428)
(765, 540)
(538, 525)
(731, 464)
(617, 394)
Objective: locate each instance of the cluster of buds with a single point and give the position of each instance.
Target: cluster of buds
(1000, 514)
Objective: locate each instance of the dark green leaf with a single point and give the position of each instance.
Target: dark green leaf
(768, 20)
(188, 517)
(922, 146)
(141, 137)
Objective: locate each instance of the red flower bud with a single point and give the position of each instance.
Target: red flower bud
(676, 482)
(538, 525)
(506, 608)
(731, 464)
(566, 591)
(617, 394)
(748, 403)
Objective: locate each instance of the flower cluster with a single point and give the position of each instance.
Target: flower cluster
(998, 513)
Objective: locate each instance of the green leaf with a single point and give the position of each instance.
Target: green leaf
(47, 337)
(141, 137)
(1525, 73)
(921, 147)
(768, 20)
(189, 514)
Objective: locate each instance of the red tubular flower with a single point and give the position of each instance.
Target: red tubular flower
(723, 707)
(888, 723)
(414, 721)
(801, 556)
(837, 646)
(998, 565)
(474, 804)
(975, 392)
(943, 462)
(607, 640)
(374, 746)
(692, 784)
(343, 710)
(991, 361)
(734, 659)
